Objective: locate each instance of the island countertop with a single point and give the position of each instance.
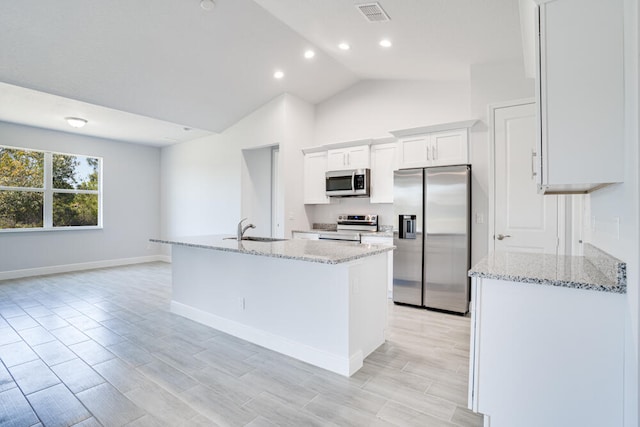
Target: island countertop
(325, 252)
(596, 270)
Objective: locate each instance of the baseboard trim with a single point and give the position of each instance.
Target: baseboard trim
(331, 362)
(66, 268)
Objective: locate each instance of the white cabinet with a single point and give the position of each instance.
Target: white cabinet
(438, 145)
(315, 167)
(356, 157)
(580, 90)
(383, 163)
(546, 355)
(384, 241)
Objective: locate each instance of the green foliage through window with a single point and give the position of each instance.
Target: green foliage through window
(70, 198)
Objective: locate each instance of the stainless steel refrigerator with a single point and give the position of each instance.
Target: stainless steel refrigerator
(432, 237)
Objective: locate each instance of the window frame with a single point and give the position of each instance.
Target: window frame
(48, 191)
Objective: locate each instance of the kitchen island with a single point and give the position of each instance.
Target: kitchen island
(321, 302)
(547, 339)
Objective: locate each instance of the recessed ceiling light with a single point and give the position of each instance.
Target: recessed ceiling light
(278, 74)
(385, 43)
(309, 54)
(344, 46)
(76, 122)
(207, 4)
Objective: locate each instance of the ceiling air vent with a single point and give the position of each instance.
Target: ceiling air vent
(373, 12)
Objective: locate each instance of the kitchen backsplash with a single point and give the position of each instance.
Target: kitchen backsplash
(324, 226)
(328, 214)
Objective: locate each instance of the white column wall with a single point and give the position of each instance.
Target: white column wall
(614, 217)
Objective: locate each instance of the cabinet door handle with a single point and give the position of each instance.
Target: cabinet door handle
(435, 152)
(533, 164)
(428, 148)
(348, 159)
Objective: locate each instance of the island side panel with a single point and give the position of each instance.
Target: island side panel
(368, 306)
(294, 307)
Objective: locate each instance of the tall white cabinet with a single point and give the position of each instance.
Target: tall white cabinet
(315, 166)
(383, 163)
(580, 91)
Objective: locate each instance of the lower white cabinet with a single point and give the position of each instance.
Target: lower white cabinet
(387, 241)
(315, 167)
(545, 355)
(383, 163)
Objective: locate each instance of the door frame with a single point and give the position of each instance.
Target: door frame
(561, 218)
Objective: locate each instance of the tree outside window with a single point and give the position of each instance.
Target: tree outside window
(40, 190)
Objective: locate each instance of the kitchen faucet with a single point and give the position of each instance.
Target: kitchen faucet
(241, 230)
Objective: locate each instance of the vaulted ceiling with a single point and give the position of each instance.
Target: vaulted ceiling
(175, 62)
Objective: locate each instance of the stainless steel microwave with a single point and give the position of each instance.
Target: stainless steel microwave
(348, 183)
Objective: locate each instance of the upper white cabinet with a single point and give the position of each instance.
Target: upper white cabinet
(355, 157)
(383, 163)
(315, 167)
(438, 145)
(580, 91)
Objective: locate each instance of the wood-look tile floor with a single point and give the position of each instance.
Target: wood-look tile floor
(101, 348)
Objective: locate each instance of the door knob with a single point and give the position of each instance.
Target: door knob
(502, 236)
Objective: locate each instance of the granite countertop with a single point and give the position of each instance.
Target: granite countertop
(596, 270)
(325, 252)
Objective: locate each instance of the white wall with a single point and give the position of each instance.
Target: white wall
(372, 108)
(131, 204)
(202, 179)
(615, 211)
(490, 84)
(201, 185)
(256, 189)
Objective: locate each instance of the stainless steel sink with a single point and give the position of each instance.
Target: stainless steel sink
(262, 239)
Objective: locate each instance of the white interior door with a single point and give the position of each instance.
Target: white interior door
(524, 220)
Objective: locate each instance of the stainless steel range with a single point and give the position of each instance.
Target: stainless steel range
(350, 227)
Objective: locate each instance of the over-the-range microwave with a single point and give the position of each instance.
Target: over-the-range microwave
(348, 183)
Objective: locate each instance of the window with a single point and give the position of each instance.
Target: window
(44, 190)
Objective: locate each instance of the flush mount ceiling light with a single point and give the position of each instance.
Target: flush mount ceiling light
(385, 43)
(76, 122)
(278, 75)
(309, 54)
(344, 46)
(207, 4)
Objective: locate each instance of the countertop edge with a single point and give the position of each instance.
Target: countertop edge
(617, 289)
(613, 271)
(381, 249)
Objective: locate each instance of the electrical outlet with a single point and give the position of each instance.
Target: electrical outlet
(241, 303)
(479, 218)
